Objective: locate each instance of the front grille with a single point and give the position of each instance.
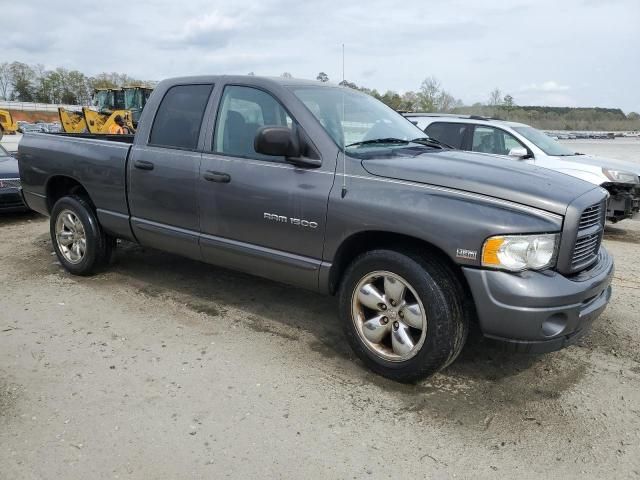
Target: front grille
(591, 216)
(9, 183)
(589, 238)
(585, 249)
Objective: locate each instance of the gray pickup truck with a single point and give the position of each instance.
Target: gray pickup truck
(326, 188)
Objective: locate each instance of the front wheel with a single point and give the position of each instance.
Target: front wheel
(78, 240)
(403, 313)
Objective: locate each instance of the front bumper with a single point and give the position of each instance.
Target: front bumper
(540, 311)
(624, 201)
(11, 200)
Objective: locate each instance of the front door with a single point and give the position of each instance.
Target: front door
(163, 174)
(260, 214)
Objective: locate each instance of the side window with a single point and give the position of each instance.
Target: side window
(243, 110)
(493, 140)
(450, 133)
(179, 117)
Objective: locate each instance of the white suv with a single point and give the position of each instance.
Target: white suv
(525, 143)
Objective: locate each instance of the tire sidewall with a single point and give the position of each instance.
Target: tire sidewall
(439, 338)
(92, 231)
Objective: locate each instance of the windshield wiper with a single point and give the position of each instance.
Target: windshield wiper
(431, 142)
(428, 141)
(377, 140)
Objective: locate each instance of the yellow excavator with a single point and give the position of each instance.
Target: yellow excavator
(7, 125)
(108, 103)
(127, 102)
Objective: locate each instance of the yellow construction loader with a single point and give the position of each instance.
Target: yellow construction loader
(107, 104)
(7, 125)
(127, 103)
(72, 121)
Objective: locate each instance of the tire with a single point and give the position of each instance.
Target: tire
(435, 338)
(72, 217)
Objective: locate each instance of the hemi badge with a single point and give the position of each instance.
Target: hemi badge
(467, 254)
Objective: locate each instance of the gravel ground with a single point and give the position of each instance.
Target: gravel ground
(163, 367)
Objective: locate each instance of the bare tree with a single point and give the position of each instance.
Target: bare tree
(5, 80)
(429, 92)
(445, 102)
(286, 75)
(495, 98)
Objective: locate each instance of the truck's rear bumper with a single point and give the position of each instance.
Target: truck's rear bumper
(540, 311)
(35, 201)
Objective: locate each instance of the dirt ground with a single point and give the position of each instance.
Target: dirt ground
(167, 368)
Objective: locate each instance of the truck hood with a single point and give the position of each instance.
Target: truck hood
(485, 174)
(8, 167)
(622, 165)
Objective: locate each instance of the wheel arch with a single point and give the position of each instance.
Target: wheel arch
(59, 186)
(365, 241)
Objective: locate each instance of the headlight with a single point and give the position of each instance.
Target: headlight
(620, 176)
(520, 252)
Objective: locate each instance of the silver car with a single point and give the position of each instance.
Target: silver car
(525, 143)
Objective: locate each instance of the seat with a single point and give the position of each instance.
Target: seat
(238, 135)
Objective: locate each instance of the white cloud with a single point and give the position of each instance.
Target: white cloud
(471, 47)
(548, 86)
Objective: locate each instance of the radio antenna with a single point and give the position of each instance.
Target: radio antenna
(344, 141)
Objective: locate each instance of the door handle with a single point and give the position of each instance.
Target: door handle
(219, 177)
(143, 165)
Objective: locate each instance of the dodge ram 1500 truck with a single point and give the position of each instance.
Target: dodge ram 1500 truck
(326, 188)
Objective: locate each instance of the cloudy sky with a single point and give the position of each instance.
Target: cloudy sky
(560, 52)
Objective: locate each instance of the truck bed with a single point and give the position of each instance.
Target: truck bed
(99, 160)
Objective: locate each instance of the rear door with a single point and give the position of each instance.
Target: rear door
(450, 133)
(163, 173)
(259, 213)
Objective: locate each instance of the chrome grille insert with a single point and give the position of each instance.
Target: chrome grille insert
(9, 183)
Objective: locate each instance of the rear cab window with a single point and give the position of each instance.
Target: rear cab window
(179, 117)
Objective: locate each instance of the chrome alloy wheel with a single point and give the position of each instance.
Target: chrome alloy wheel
(70, 236)
(389, 316)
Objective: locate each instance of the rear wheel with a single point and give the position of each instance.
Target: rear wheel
(403, 313)
(78, 240)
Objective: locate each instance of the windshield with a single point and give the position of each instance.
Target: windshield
(365, 119)
(103, 99)
(132, 98)
(544, 142)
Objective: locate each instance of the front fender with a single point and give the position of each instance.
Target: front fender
(456, 222)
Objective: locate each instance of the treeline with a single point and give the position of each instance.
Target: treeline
(33, 83)
(432, 98)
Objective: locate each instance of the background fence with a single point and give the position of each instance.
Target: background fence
(35, 107)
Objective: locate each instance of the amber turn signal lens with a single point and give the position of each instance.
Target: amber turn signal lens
(490, 251)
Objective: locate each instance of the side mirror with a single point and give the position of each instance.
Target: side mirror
(518, 152)
(280, 141)
(276, 141)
